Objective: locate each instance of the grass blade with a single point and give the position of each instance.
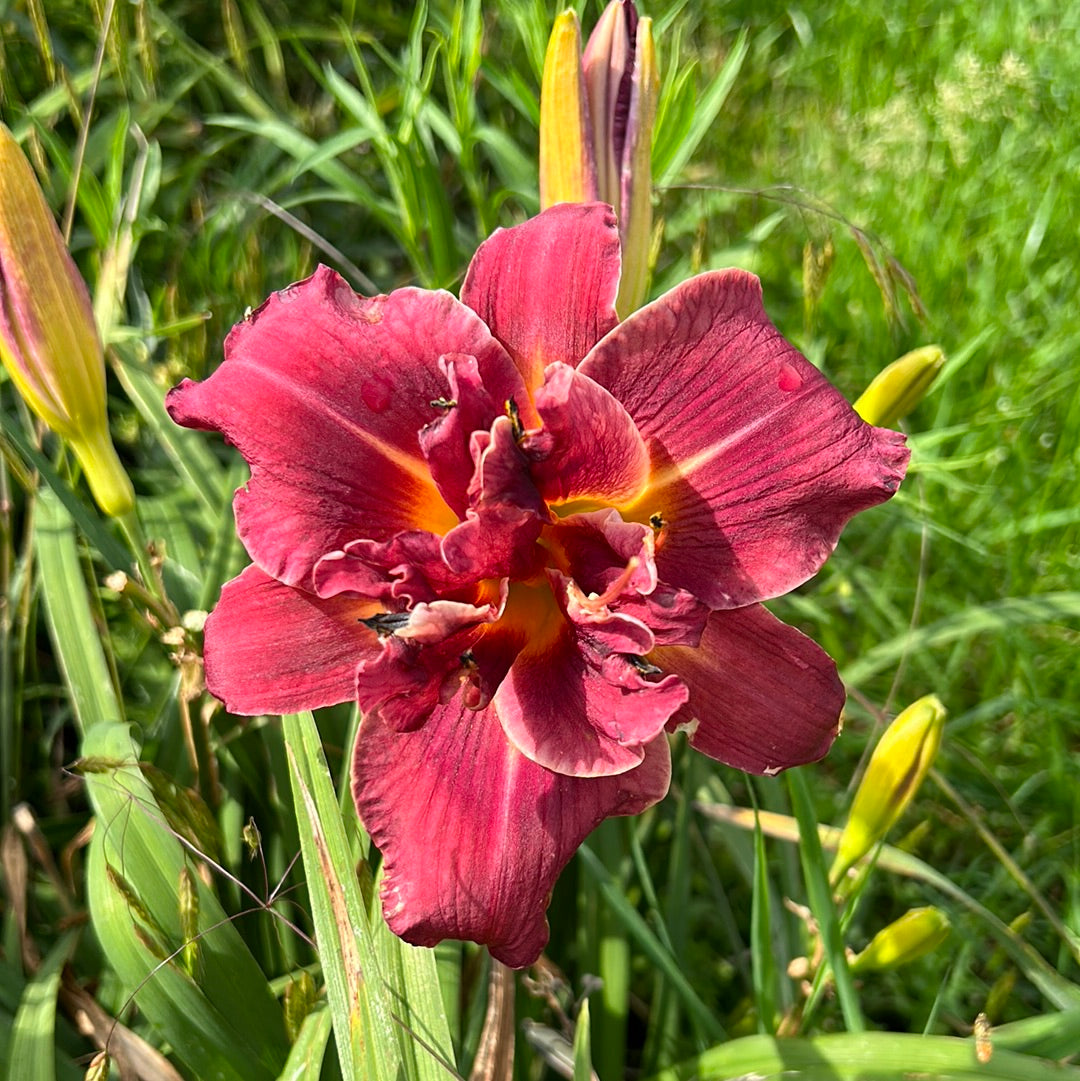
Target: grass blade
(224, 1023)
(200, 470)
(423, 1028)
(761, 951)
(359, 1004)
(71, 623)
(701, 1015)
(218, 1015)
(863, 1056)
(582, 1058)
(821, 903)
(996, 616)
(707, 109)
(31, 1055)
(305, 1060)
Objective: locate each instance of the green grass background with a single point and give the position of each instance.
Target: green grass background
(229, 146)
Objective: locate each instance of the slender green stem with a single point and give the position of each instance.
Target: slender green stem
(821, 903)
(613, 956)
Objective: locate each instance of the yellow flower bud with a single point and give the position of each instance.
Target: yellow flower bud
(597, 113)
(567, 171)
(897, 767)
(48, 340)
(911, 936)
(896, 390)
(98, 1069)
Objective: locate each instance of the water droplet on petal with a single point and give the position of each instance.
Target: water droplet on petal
(376, 394)
(789, 379)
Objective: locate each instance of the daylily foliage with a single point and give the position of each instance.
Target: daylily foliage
(530, 541)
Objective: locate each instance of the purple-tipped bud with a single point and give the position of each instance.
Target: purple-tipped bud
(48, 339)
(609, 78)
(622, 85)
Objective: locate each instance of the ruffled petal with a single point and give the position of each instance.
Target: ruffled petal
(271, 648)
(324, 393)
(473, 834)
(547, 287)
(763, 696)
(572, 700)
(674, 616)
(409, 567)
(588, 447)
(445, 442)
(757, 461)
(614, 560)
(422, 661)
(505, 515)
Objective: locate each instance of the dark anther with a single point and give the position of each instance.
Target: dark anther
(385, 623)
(642, 665)
(516, 427)
(443, 403)
(468, 659)
(657, 520)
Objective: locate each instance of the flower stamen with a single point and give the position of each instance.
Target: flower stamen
(646, 668)
(596, 603)
(517, 429)
(385, 624)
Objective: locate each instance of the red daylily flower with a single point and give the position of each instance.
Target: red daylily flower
(530, 541)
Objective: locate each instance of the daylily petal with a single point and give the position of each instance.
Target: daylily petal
(445, 442)
(271, 648)
(602, 554)
(420, 665)
(409, 568)
(597, 548)
(588, 447)
(473, 834)
(571, 701)
(757, 461)
(324, 392)
(547, 287)
(675, 617)
(763, 696)
(505, 515)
